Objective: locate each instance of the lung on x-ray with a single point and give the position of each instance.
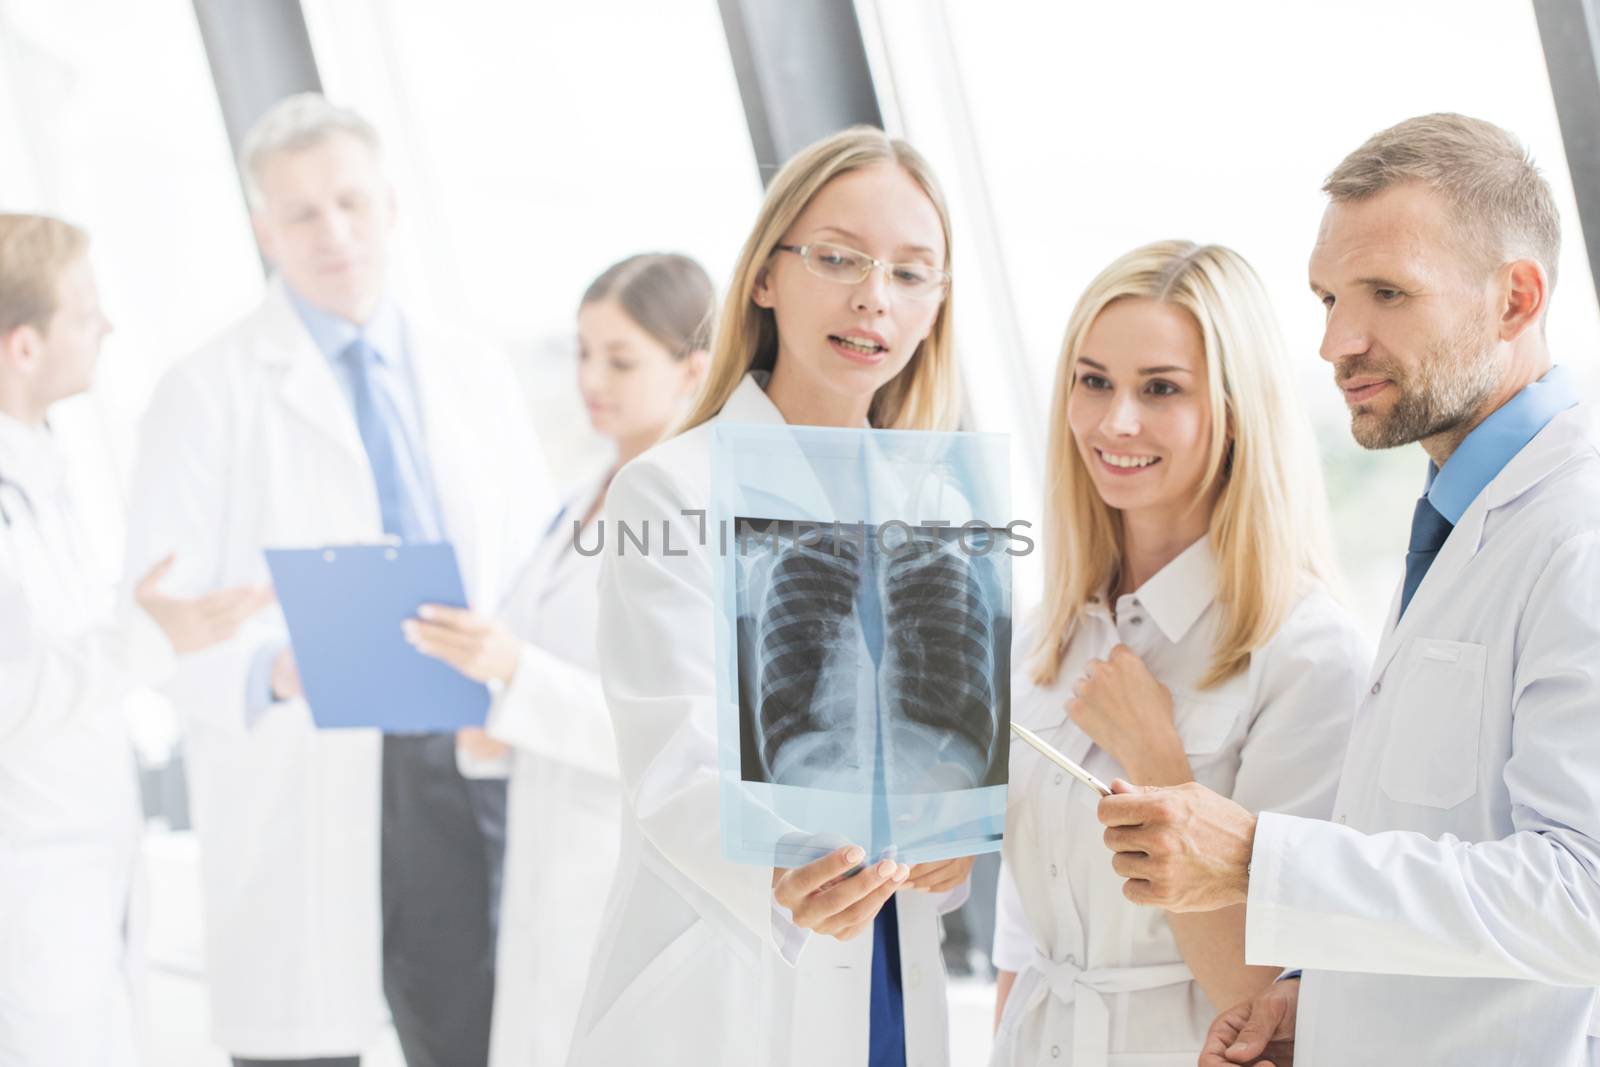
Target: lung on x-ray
(872, 658)
(863, 636)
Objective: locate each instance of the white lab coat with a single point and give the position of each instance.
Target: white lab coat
(697, 965)
(69, 797)
(1100, 981)
(1450, 912)
(251, 443)
(564, 798)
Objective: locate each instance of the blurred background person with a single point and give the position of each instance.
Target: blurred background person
(643, 334)
(1188, 633)
(330, 416)
(69, 797)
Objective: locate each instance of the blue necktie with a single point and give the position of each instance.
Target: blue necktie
(886, 1031)
(404, 515)
(1428, 532)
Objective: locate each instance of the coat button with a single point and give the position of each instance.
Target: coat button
(1342, 818)
(1052, 870)
(1375, 687)
(1137, 620)
(1055, 1052)
(1059, 776)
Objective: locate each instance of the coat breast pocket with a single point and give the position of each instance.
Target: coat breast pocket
(1431, 757)
(1203, 725)
(1206, 726)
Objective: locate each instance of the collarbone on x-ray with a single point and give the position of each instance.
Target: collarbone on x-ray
(871, 658)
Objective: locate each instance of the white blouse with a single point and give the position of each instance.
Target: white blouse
(1100, 981)
(564, 803)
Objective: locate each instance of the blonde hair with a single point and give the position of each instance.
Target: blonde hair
(1504, 207)
(34, 250)
(925, 394)
(1269, 526)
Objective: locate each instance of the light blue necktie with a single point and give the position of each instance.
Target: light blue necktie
(404, 514)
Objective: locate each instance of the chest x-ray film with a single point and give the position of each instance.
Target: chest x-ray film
(863, 629)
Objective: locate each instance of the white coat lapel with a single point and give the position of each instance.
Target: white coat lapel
(880, 496)
(555, 554)
(796, 494)
(1434, 592)
(1539, 458)
(448, 436)
(308, 386)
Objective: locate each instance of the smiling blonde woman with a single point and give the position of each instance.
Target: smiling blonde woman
(1187, 633)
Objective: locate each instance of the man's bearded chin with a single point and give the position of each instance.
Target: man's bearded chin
(1445, 390)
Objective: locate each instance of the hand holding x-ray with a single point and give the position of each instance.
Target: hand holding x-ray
(834, 895)
(940, 876)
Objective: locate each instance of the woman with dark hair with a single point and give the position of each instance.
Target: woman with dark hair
(643, 334)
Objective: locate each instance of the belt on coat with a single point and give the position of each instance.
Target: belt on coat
(1086, 989)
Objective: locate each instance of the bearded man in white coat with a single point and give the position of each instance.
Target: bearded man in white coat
(1450, 911)
(329, 416)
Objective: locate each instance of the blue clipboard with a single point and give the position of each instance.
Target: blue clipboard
(344, 605)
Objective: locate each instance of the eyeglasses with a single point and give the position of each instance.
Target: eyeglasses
(836, 263)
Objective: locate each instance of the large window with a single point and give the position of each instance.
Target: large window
(93, 130)
(534, 145)
(1101, 126)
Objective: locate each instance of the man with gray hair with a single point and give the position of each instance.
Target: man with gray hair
(1449, 913)
(329, 416)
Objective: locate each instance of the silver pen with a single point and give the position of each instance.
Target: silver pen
(1048, 752)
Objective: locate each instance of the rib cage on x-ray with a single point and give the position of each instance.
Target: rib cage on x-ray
(939, 672)
(808, 649)
(818, 709)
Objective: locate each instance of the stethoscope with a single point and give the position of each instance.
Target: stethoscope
(18, 493)
(64, 572)
(7, 516)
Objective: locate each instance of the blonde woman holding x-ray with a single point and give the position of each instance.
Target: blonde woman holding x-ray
(1187, 633)
(838, 315)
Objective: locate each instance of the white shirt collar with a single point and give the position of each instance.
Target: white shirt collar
(385, 331)
(1179, 593)
(749, 402)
